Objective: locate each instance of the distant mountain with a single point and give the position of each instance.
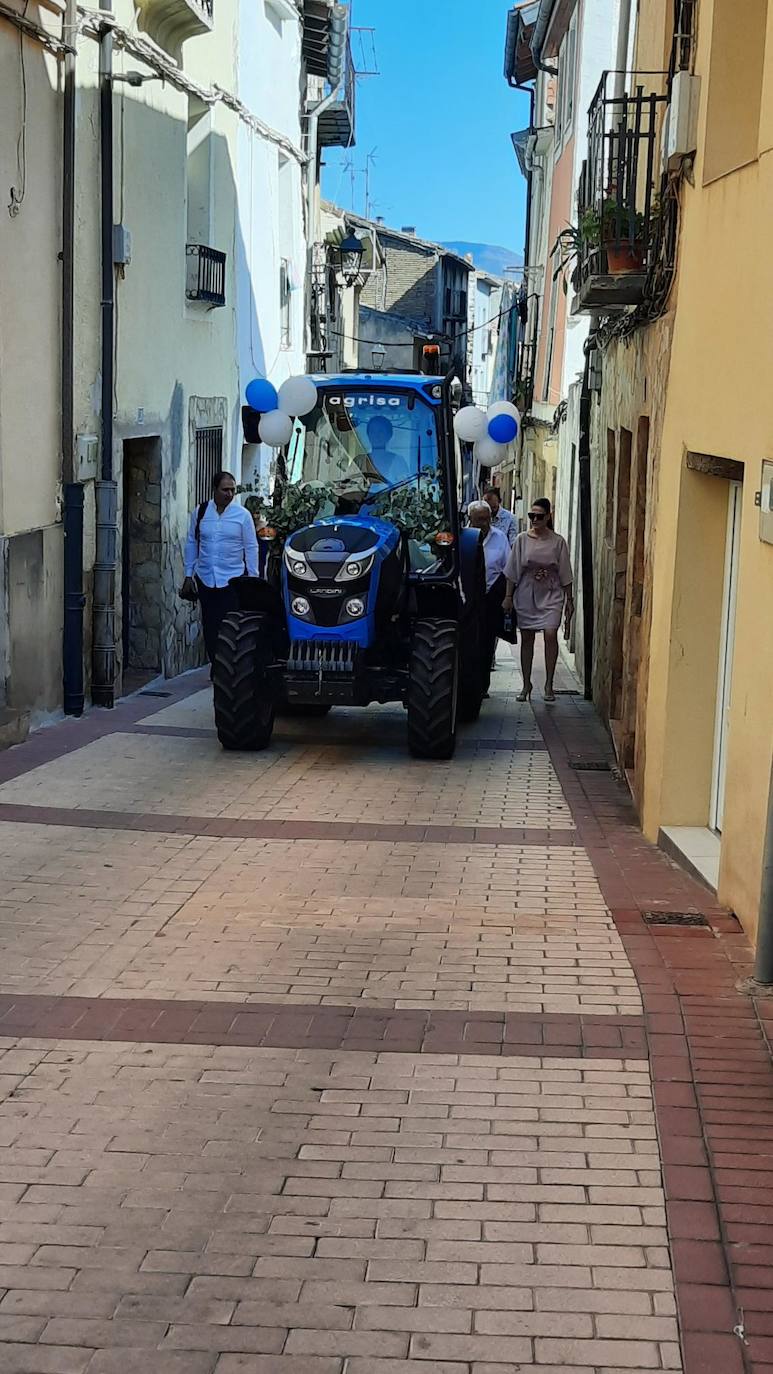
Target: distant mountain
(488, 257)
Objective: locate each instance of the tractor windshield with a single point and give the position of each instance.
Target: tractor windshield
(369, 450)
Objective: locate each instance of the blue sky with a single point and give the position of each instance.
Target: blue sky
(439, 116)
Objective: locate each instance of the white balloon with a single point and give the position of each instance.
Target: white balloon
(275, 428)
(504, 408)
(488, 452)
(297, 396)
(470, 424)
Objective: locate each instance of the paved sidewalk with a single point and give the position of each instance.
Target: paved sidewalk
(328, 1061)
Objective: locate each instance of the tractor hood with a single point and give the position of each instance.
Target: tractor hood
(330, 543)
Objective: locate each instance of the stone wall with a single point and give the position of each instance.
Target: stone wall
(411, 281)
(142, 491)
(634, 382)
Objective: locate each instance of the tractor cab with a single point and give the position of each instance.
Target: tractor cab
(371, 591)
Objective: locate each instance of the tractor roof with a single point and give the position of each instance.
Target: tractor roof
(419, 381)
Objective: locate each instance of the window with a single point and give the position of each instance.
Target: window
(285, 182)
(735, 85)
(567, 62)
(609, 509)
(285, 305)
(551, 340)
(209, 460)
(199, 171)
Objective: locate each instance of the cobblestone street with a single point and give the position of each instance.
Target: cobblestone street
(328, 1061)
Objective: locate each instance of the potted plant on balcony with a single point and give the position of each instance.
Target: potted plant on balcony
(573, 245)
(622, 237)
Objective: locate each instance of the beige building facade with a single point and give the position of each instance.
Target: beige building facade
(177, 210)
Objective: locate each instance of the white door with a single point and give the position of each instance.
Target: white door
(727, 640)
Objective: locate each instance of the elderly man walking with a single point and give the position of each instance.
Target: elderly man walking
(501, 518)
(496, 552)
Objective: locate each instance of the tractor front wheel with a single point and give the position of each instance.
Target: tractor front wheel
(432, 690)
(244, 710)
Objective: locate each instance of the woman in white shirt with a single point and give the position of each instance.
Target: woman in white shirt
(221, 545)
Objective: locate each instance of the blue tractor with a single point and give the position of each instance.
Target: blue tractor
(371, 591)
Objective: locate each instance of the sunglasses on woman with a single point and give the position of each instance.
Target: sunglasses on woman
(536, 515)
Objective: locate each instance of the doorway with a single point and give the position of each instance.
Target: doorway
(726, 646)
(141, 561)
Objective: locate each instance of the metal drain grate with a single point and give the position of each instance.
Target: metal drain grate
(590, 765)
(674, 918)
(154, 694)
(566, 691)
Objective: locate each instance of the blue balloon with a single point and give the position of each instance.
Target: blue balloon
(503, 429)
(262, 396)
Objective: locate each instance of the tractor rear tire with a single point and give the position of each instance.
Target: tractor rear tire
(432, 690)
(244, 712)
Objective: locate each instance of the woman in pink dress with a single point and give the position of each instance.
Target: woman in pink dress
(539, 582)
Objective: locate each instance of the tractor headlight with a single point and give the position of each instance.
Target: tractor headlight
(354, 568)
(300, 605)
(297, 565)
(355, 606)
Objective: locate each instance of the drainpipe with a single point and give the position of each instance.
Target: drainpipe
(103, 650)
(312, 152)
(72, 491)
(621, 52)
(586, 527)
(763, 965)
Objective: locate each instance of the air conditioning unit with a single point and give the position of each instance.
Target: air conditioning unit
(680, 130)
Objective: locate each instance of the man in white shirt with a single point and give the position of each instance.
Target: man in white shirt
(501, 518)
(221, 545)
(496, 552)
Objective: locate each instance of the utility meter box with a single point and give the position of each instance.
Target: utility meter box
(680, 130)
(86, 457)
(766, 502)
(122, 245)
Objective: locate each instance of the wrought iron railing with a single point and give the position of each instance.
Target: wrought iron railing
(205, 274)
(336, 123)
(618, 204)
(525, 367)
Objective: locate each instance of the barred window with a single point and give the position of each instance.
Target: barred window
(209, 460)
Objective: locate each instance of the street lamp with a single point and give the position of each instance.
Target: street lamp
(349, 254)
(378, 354)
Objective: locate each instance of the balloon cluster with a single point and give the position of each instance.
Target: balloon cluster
(296, 396)
(489, 431)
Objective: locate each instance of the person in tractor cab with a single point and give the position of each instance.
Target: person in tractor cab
(222, 544)
(392, 466)
(496, 552)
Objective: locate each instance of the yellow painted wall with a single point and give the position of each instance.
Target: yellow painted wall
(718, 402)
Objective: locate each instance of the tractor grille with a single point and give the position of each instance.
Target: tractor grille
(315, 655)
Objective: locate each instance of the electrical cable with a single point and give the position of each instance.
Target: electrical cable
(384, 343)
(19, 192)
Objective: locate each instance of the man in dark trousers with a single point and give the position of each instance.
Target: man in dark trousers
(222, 544)
(496, 552)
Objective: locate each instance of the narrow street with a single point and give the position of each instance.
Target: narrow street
(327, 1060)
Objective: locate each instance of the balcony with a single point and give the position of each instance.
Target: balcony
(618, 207)
(336, 123)
(205, 275)
(170, 22)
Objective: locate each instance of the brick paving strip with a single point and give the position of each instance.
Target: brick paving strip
(464, 746)
(710, 1060)
(245, 829)
(270, 1025)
